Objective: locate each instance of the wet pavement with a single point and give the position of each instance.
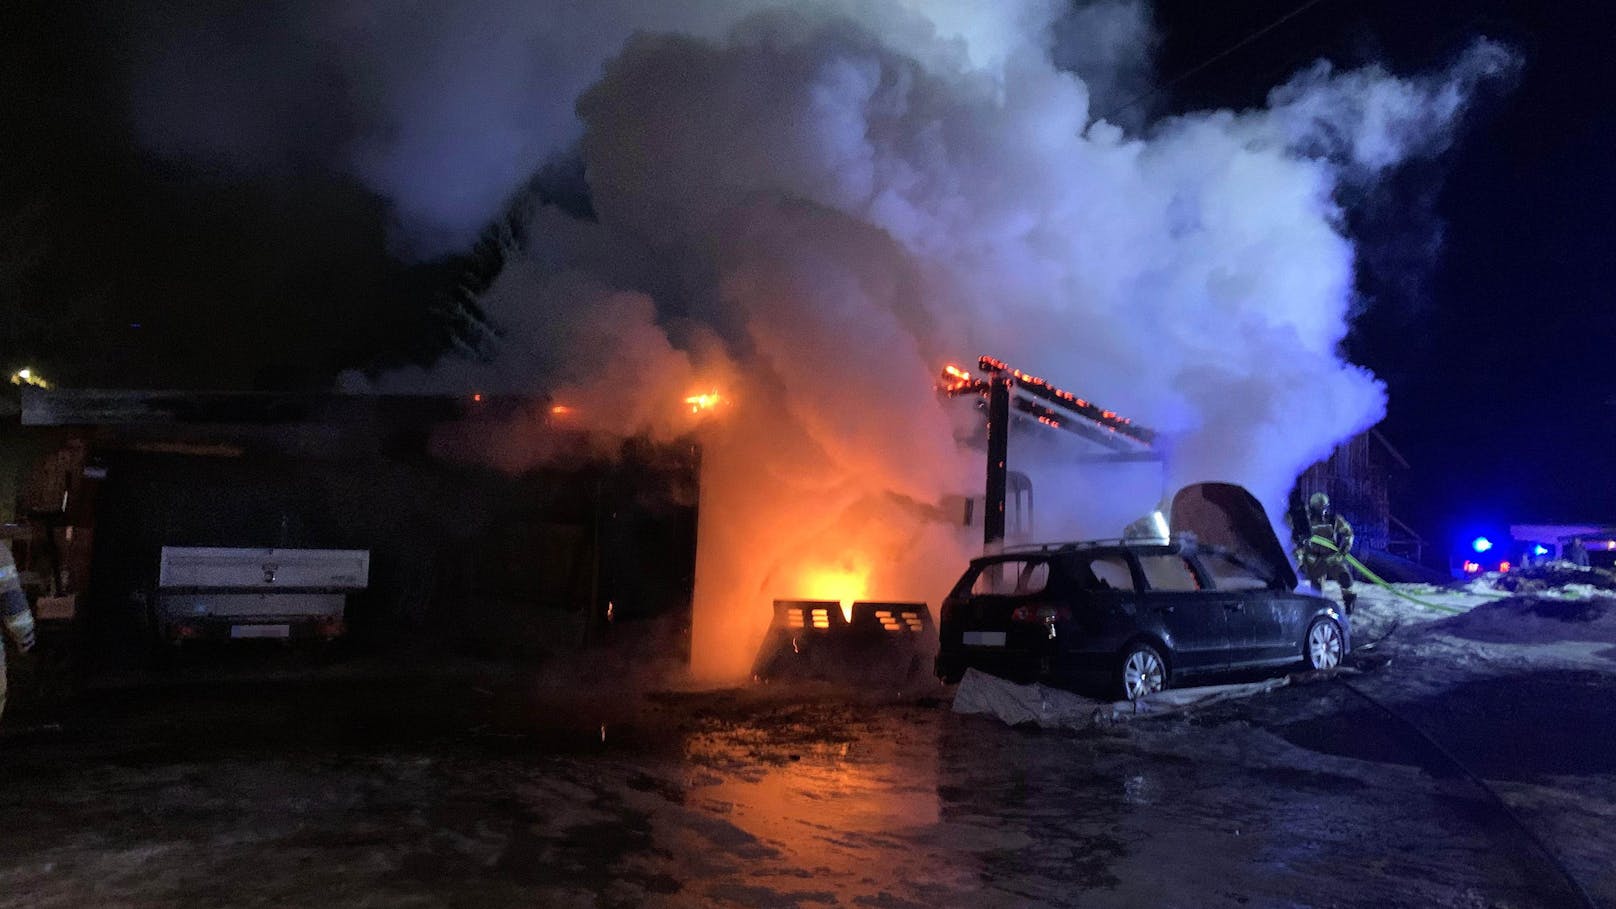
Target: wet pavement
(497, 787)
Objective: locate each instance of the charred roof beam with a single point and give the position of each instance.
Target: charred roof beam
(1054, 407)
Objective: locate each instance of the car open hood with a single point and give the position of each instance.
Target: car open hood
(1223, 514)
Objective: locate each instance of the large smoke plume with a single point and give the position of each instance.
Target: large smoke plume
(813, 206)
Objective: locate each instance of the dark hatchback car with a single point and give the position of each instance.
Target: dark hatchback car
(1141, 615)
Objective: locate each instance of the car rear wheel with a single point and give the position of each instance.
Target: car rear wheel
(1325, 644)
(1143, 672)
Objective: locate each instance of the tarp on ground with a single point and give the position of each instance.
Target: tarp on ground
(1055, 708)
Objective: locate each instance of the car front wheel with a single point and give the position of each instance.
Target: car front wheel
(1325, 644)
(1143, 672)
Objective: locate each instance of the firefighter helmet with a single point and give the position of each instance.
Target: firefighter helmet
(1318, 507)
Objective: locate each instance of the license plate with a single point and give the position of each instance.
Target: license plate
(984, 638)
(260, 631)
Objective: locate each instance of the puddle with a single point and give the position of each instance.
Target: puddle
(1365, 734)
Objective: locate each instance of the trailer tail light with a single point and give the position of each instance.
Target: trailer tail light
(184, 632)
(1045, 614)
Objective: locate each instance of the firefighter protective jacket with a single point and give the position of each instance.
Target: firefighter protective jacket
(14, 614)
(1338, 532)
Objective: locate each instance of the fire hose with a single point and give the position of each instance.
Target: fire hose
(1575, 886)
(1379, 581)
(1520, 824)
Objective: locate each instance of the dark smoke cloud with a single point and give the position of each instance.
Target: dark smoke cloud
(444, 108)
(1110, 45)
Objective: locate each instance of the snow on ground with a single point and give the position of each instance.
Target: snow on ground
(1380, 611)
(1515, 685)
(1557, 612)
(1554, 614)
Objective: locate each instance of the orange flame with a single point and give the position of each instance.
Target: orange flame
(561, 410)
(840, 584)
(706, 401)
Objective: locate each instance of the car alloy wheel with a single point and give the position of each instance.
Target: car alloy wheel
(1143, 672)
(1324, 644)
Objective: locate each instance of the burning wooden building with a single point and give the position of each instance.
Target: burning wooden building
(460, 553)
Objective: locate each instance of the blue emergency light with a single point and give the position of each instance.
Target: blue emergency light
(1481, 544)
(1540, 550)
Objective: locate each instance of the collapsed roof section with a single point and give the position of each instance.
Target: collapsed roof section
(1122, 438)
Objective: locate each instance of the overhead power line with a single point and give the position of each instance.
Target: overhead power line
(1145, 96)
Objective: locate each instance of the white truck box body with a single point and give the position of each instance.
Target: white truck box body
(260, 592)
(265, 570)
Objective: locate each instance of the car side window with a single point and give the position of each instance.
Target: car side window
(1112, 572)
(1015, 577)
(1231, 574)
(1168, 572)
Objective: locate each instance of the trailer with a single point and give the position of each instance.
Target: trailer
(226, 593)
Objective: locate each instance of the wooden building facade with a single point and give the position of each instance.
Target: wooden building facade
(1358, 476)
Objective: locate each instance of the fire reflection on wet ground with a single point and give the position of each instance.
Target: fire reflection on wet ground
(378, 794)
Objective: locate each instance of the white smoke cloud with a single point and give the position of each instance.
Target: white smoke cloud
(863, 212)
(837, 197)
(1372, 121)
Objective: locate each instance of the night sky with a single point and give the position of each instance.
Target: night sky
(1494, 342)
(1495, 347)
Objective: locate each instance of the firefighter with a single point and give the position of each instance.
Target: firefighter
(14, 614)
(1574, 552)
(1320, 563)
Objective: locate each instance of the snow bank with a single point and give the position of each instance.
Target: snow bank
(1552, 615)
(1555, 576)
(1536, 620)
(1381, 611)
